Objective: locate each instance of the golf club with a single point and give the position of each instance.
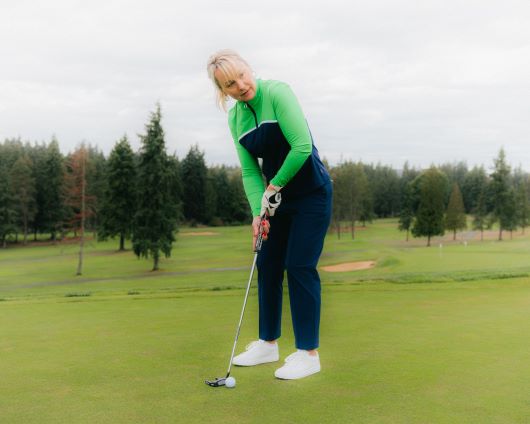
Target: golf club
(221, 381)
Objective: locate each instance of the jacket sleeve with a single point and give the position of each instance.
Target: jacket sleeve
(250, 170)
(294, 128)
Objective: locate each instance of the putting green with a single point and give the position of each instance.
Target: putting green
(430, 335)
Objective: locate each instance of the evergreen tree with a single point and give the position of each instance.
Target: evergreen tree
(194, 182)
(49, 176)
(406, 215)
(96, 174)
(500, 191)
(456, 215)
(474, 184)
(156, 215)
(38, 155)
(480, 213)
(23, 187)
(119, 199)
(7, 211)
(340, 195)
(509, 219)
(384, 190)
(429, 220)
(240, 212)
(176, 185)
(523, 207)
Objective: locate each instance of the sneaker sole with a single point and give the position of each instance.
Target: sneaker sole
(310, 372)
(254, 364)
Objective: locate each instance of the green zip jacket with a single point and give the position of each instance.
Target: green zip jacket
(272, 127)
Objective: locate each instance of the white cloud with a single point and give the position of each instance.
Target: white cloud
(380, 81)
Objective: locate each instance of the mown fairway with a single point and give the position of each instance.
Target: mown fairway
(430, 335)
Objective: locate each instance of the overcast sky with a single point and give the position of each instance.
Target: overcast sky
(379, 81)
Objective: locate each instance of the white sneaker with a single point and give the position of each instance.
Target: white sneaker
(258, 352)
(298, 365)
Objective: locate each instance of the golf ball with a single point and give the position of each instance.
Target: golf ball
(230, 382)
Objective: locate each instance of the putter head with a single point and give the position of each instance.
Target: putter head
(218, 382)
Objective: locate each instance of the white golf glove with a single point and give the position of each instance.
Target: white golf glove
(271, 200)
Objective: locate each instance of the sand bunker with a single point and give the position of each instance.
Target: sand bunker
(349, 266)
(199, 233)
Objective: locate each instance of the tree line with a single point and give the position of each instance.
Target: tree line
(143, 196)
(431, 201)
(146, 195)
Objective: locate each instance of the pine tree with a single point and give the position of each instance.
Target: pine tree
(96, 175)
(7, 211)
(119, 198)
(523, 206)
(23, 187)
(429, 219)
(49, 177)
(194, 182)
(406, 215)
(474, 183)
(340, 195)
(500, 187)
(509, 219)
(156, 216)
(455, 216)
(480, 213)
(240, 212)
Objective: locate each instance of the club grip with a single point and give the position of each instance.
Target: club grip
(261, 234)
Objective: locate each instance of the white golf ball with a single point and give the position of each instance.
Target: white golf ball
(230, 382)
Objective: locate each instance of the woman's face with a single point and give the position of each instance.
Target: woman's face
(242, 87)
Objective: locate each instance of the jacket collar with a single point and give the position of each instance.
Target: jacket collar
(257, 98)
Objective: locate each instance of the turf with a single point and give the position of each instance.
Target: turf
(430, 335)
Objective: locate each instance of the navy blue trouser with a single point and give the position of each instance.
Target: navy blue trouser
(295, 242)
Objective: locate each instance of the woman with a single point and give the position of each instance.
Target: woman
(267, 123)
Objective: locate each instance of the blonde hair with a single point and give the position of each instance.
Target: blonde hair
(229, 63)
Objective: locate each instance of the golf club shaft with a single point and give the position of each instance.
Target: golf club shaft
(242, 312)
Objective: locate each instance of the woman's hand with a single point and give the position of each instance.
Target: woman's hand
(259, 224)
(271, 200)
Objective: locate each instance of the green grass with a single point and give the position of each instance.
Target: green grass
(430, 335)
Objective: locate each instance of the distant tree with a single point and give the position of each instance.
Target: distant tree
(240, 212)
(480, 213)
(119, 199)
(358, 195)
(176, 188)
(23, 187)
(350, 191)
(455, 218)
(429, 220)
(7, 211)
(49, 176)
(384, 192)
(500, 191)
(523, 206)
(156, 215)
(77, 198)
(406, 215)
(194, 182)
(366, 210)
(456, 172)
(340, 196)
(232, 207)
(96, 174)
(509, 219)
(474, 184)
